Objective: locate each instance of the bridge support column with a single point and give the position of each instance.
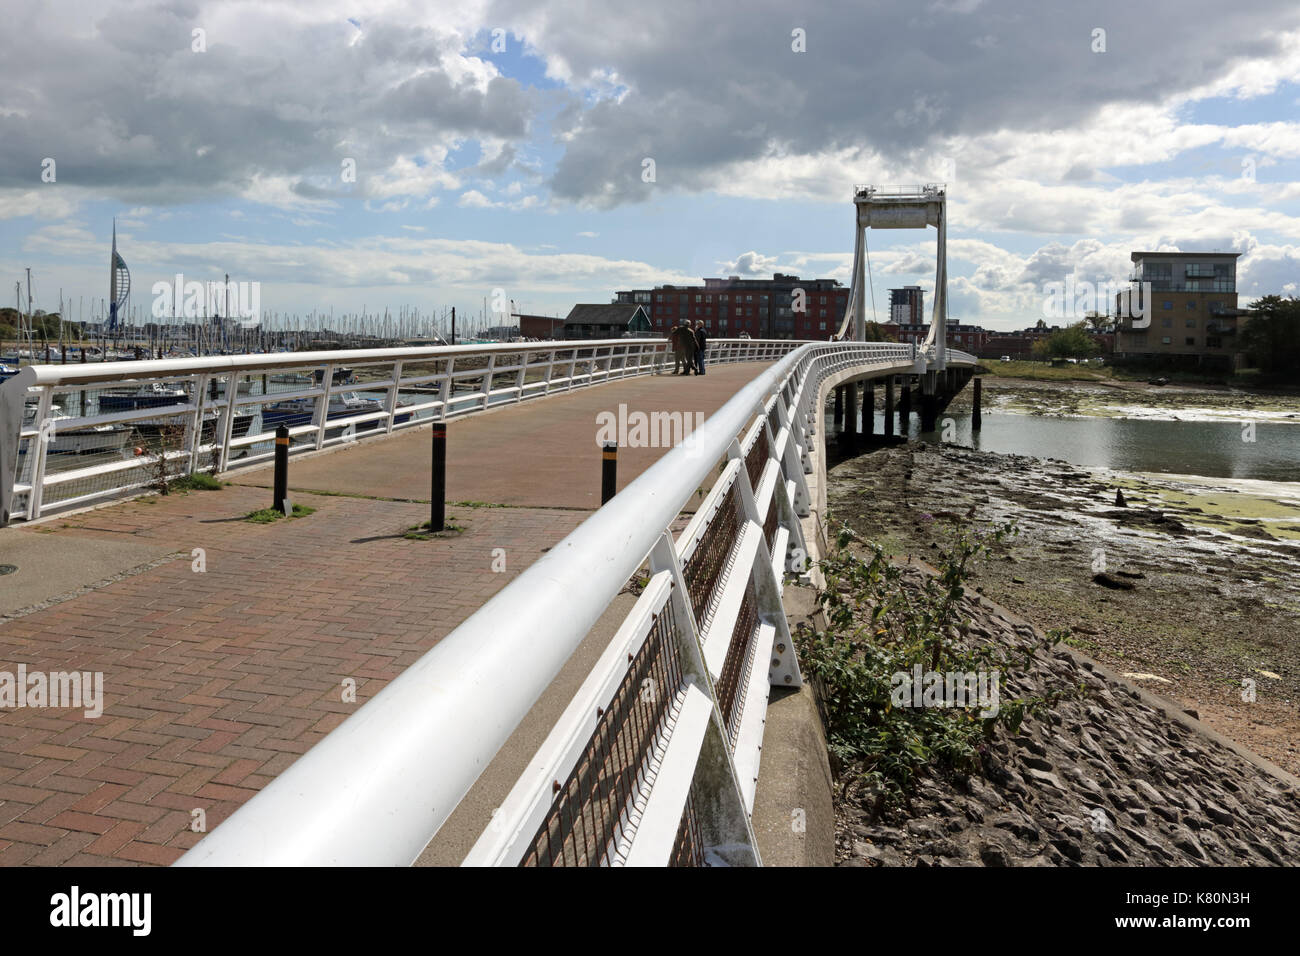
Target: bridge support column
(905, 405)
(839, 408)
(889, 407)
(851, 414)
(869, 407)
(975, 417)
(929, 401)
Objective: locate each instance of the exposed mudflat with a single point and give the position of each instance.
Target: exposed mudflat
(1121, 399)
(1192, 587)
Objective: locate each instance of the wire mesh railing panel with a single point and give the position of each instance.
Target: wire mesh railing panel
(770, 522)
(707, 563)
(755, 459)
(594, 808)
(730, 686)
(688, 846)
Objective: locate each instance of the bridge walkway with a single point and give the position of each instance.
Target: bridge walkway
(216, 680)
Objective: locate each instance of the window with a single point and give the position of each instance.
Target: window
(1190, 340)
(1213, 342)
(1167, 305)
(1165, 340)
(1191, 323)
(1191, 305)
(1167, 323)
(822, 326)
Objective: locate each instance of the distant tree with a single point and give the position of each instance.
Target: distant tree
(1271, 336)
(876, 332)
(1070, 342)
(1040, 324)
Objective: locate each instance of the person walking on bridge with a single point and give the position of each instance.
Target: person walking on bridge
(688, 346)
(701, 346)
(679, 350)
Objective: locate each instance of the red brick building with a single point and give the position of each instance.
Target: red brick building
(761, 308)
(964, 338)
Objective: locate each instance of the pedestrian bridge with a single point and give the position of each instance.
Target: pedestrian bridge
(655, 759)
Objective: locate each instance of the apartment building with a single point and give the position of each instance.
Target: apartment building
(1181, 310)
(761, 308)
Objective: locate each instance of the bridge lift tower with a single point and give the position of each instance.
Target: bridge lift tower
(901, 207)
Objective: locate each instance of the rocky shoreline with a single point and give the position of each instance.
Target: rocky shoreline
(1198, 605)
(1104, 778)
(1207, 607)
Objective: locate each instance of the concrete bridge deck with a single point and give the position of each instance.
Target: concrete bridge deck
(215, 682)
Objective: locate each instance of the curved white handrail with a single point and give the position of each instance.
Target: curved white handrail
(377, 788)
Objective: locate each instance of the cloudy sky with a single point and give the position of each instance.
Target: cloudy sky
(504, 144)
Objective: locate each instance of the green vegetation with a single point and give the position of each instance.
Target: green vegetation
(877, 628)
(195, 482)
(1046, 372)
(421, 532)
(1271, 337)
(268, 515)
(1073, 341)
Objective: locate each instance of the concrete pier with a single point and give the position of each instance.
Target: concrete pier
(929, 401)
(975, 417)
(869, 407)
(851, 415)
(889, 407)
(905, 405)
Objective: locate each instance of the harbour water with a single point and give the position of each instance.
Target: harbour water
(1215, 449)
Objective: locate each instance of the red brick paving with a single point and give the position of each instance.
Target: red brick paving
(215, 682)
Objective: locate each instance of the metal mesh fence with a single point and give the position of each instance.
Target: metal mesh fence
(704, 570)
(755, 459)
(731, 685)
(688, 846)
(595, 806)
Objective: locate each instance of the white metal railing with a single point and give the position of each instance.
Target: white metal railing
(656, 758)
(74, 434)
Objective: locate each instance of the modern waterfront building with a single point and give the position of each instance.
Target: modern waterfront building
(1181, 310)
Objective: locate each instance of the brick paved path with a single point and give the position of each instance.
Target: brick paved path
(216, 681)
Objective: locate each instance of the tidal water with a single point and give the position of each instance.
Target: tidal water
(1211, 449)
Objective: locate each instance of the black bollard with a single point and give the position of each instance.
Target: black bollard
(608, 472)
(438, 491)
(281, 468)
